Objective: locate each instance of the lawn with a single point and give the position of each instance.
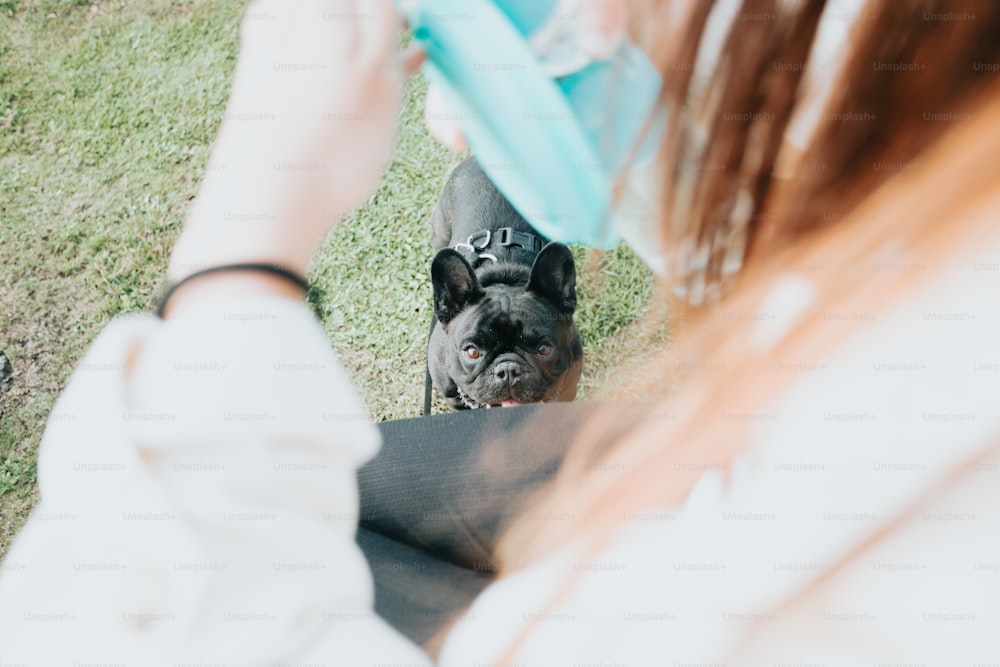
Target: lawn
(107, 113)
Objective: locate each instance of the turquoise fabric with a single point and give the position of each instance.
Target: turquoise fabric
(554, 148)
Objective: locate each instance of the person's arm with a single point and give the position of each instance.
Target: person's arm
(197, 475)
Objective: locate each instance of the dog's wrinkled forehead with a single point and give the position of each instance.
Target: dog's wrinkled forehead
(505, 317)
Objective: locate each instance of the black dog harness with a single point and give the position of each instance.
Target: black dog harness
(479, 246)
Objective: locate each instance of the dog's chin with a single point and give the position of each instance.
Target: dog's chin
(474, 403)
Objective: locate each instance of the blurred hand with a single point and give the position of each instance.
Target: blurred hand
(599, 27)
(307, 133)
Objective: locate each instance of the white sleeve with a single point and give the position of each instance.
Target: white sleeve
(200, 508)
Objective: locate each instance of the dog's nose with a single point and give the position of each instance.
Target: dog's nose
(507, 371)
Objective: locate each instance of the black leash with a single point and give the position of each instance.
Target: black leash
(428, 385)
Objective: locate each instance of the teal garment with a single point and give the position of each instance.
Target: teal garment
(526, 15)
(554, 148)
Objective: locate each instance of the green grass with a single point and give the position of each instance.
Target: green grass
(107, 113)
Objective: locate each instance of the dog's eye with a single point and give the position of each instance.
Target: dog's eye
(472, 352)
(544, 349)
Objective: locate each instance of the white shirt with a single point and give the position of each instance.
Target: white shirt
(202, 511)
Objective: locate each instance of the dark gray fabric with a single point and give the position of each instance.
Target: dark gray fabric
(436, 498)
(416, 592)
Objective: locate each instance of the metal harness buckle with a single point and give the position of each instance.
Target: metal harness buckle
(486, 240)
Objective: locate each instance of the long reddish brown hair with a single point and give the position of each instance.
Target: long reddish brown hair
(824, 228)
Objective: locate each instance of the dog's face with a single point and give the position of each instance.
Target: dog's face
(507, 344)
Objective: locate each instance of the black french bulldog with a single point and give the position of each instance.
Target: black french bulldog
(504, 300)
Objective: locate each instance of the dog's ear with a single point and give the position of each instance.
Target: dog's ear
(455, 284)
(553, 277)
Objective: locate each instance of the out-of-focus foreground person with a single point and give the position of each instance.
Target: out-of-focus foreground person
(819, 489)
